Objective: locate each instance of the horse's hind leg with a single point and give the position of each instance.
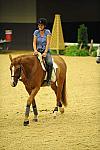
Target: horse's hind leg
(54, 87)
(59, 96)
(57, 90)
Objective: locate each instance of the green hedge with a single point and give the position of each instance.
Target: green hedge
(75, 51)
(71, 51)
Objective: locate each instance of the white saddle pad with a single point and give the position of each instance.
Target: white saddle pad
(53, 76)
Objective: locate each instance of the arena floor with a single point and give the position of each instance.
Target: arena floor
(77, 129)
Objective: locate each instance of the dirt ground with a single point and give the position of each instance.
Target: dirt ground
(77, 129)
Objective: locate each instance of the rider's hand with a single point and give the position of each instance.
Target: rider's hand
(44, 54)
(35, 52)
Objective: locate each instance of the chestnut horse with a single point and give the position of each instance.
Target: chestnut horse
(28, 69)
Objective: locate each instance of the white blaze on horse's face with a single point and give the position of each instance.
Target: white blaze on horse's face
(12, 77)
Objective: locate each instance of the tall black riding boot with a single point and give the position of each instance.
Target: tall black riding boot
(49, 73)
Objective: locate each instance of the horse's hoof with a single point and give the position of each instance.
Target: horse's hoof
(61, 110)
(26, 123)
(35, 120)
(54, 114)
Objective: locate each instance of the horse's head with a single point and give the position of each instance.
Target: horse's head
(15, 69)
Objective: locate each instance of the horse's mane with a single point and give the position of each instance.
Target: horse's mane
(23, 59)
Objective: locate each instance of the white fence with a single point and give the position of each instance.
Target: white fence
(70, 44)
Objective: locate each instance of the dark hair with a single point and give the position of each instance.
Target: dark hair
(42, 21)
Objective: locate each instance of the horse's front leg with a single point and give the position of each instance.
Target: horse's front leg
(29, 102)
(35, 111)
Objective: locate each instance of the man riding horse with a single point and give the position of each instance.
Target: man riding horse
(41, 42)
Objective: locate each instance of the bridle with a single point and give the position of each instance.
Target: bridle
(19, 75)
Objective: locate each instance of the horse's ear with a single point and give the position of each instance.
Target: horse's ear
(10, 57)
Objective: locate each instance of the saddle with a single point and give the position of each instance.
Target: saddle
(44, 67)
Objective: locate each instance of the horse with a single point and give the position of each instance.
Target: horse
(28, 70)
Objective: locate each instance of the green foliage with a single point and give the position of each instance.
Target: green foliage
(82, 36)
(74, 51)
(54, 52)
(94, 51)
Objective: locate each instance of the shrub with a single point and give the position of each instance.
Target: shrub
(74, 51)
(93, 51)
(71, 51)
(82, 36)
(61, 52)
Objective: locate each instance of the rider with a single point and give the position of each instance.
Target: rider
(41, 42)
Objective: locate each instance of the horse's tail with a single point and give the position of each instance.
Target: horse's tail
(64, 94)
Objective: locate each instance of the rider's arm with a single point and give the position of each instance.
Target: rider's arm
(48, 43)
(34, 43)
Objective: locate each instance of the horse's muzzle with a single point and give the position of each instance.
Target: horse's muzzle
(13, 83)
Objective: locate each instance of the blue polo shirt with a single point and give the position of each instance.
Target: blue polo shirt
(41, 40)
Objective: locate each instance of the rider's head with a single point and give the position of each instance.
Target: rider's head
(42, 23)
